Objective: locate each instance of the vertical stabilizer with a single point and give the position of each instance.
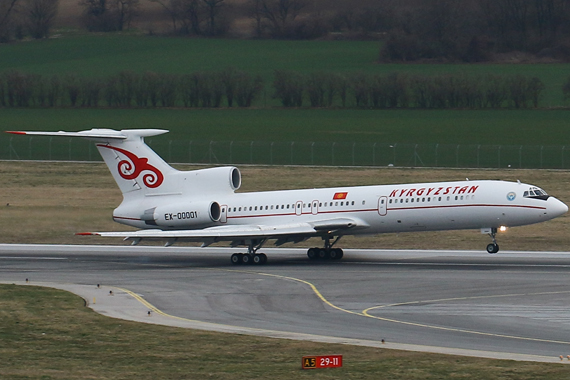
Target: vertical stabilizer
(136, 168)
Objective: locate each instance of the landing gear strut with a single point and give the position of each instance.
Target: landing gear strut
(251, 257)
(493, 247)
(326, 253)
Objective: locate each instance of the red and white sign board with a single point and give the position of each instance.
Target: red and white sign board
(326, 361)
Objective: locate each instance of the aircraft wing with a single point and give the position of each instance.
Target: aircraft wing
(237, 234)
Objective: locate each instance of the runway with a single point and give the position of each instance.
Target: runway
(508, 305)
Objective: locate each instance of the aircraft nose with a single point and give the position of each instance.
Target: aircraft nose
(556, 208)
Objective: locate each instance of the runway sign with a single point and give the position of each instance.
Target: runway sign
(327, 361)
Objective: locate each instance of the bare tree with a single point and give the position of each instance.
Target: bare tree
(40, 15)
(255, 12)
(98, 16)
(126, 10)
(280, 14)
(171, 7)
(109, 15)
(213, 8)
(192, 10)
(7, 8)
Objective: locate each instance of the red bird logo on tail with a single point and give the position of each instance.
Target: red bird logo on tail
(134, 165)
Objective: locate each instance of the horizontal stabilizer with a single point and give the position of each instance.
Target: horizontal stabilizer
(100, 133)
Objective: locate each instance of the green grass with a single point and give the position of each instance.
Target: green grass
(488, 127)
(102, 55)
(92, 55)
(49, 334)
(448, 128)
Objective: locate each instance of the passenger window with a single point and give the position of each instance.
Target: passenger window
(353, 203)
(255, 208)
(249, 208)
(412, 200)
(342, 203)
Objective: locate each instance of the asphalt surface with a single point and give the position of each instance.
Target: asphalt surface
(513, 305)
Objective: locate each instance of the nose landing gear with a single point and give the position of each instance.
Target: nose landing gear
(493, 247)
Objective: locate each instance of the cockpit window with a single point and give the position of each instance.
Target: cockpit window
(535, 192)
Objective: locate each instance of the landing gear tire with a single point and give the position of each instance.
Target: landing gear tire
(247, 259)
(493, 248)
(259, 259)
(312, 253)
(325, 253)
(335, 254)
(237, 258)
(263, 258)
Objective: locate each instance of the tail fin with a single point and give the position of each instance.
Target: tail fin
(136, 168)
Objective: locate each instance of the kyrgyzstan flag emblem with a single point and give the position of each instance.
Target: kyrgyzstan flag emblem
(340, 195)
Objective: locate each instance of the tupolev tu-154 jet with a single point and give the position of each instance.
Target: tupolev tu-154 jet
(202, 206)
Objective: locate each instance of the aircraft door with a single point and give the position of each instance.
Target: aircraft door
(383, 206)
(299, 208)
(315, 207)
(224, 214)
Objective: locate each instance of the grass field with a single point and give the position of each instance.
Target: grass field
(49, 202)
(102, 55)
(510, 129)
(49, 334)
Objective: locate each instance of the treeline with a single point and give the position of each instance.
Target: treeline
(129, 89)
(397, 90)
(232, 87)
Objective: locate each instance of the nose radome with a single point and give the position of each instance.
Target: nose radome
(556, 207)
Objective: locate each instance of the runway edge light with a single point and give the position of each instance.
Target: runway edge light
(325, 361)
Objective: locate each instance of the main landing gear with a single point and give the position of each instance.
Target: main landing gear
(326, 253)
(493, 247)
(251, 257)
(248, 258)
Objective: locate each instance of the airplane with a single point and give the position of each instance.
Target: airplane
(202, 205)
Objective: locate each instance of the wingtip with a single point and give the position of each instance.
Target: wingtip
(87, 234)
(16, 132)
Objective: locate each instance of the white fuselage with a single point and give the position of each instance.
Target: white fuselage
(385, 208)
